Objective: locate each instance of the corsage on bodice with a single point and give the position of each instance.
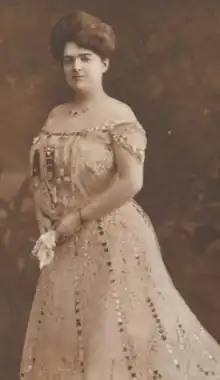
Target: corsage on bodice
(70, 168)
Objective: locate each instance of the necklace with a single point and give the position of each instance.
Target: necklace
(73, 113)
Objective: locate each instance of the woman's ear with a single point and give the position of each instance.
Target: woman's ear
(105, 63)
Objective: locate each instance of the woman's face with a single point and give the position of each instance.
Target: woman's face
(83, 69)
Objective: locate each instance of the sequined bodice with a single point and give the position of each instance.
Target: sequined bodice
(70, 168)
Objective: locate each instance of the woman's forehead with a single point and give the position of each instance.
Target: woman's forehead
(71, 48)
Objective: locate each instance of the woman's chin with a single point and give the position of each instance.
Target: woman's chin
(78, 86)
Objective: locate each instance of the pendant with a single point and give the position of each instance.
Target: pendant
(73, 113)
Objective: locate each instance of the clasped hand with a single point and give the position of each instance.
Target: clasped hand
(68, 225)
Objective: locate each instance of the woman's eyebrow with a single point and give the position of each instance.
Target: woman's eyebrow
(68, 55)
(85, 54)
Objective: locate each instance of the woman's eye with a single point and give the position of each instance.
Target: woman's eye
(85, 58)
(68, 60)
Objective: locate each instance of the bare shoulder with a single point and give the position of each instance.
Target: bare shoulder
(58, 110)
(120, 110)
(53, 116)
(123, 113)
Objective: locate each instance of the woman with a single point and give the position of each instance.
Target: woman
(105, 306)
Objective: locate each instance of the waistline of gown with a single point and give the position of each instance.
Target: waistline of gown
(56, 213)
(59, 210)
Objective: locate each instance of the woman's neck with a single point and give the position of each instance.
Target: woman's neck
(86, 99)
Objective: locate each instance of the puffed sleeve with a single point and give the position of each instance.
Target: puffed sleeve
(132, 137)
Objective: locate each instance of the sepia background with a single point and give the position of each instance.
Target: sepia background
(167, 68)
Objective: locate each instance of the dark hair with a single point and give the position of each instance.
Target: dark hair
(86, 31)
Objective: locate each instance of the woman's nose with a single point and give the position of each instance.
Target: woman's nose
(77, 64)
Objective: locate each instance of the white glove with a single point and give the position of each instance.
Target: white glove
(44, 248)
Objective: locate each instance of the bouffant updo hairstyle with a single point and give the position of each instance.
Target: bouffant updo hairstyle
(86, 31)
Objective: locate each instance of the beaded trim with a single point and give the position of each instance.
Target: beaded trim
(104, 128)
(107, 127)
(122, 140)
(126, 347)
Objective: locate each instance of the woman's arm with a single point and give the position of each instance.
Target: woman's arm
(128, 183)
(43, 223)
(128, 144)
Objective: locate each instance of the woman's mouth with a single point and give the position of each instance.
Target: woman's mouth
(77, 77)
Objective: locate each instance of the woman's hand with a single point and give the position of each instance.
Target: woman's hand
(68, 225)
(44, 248)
